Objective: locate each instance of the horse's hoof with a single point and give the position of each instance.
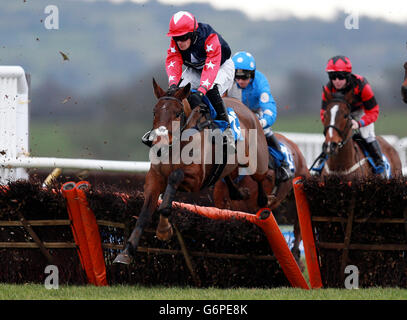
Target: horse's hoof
(123, 259)
(164, 234)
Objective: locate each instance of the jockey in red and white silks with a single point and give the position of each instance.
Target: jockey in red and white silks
(206, 56)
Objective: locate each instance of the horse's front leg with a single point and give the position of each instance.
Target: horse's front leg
(152, 189)
(164, 229)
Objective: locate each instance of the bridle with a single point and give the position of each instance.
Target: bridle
(344, 134)
(181, 113)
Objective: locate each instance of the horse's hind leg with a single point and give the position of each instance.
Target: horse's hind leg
(164, 229)
(261, 195)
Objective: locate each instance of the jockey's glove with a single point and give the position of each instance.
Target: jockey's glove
(263, 123)
(195, 99)
(355, 124)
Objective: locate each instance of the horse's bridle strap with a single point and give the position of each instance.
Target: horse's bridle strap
(171, 98)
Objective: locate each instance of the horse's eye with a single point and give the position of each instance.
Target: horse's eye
(346, 116)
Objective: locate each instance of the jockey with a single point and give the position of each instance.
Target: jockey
(206, 55)
(364, 108)
(252, 88)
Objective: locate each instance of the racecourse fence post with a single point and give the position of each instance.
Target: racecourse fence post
(304, 217)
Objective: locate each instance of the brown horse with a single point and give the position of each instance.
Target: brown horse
(277, 193)
(181, 167)
(345, 156)
(404, 84)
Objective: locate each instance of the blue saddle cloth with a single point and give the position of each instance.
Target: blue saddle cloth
(223, 125)
(285, 154)
(376, 169)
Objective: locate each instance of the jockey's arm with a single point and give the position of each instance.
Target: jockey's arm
(267, 113)
(173, 64)
(267, 106)
(370, 107)
(212, 63)
(323, 104)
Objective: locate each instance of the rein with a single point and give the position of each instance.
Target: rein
(348, 126)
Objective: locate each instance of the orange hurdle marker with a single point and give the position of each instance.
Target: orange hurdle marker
(271, 230)
(91, 229)
(304, 217)
(68, 190)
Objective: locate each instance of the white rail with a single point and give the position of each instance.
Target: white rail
(82, 164)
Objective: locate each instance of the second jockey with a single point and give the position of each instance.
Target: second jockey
(252, 88)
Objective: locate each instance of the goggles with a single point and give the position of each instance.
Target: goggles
(182, 38)
(242, 74)
(337, 75)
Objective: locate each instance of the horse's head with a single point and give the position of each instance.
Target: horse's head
(337, 121)
(172, 108)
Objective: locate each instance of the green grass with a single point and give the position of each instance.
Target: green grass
(39, 292)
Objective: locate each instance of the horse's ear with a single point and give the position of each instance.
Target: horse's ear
(182, 94)
(158, 91)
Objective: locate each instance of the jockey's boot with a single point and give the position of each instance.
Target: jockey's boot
(221, 114)
(376, 153)
(283, 173)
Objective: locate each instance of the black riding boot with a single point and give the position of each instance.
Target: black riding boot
(283, 172)
(376, 153)
(220, 108)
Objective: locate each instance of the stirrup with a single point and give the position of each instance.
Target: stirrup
(146, 139)
(284, 173)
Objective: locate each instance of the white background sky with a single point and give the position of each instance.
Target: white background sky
(389, 10)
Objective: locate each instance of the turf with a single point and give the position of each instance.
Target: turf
(39, 292)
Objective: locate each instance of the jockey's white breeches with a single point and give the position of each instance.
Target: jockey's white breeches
(366, 132)
(224, 79)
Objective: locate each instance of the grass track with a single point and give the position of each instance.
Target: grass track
(38, 292)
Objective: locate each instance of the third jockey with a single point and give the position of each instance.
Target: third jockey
(252, 88)
(364, 109)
